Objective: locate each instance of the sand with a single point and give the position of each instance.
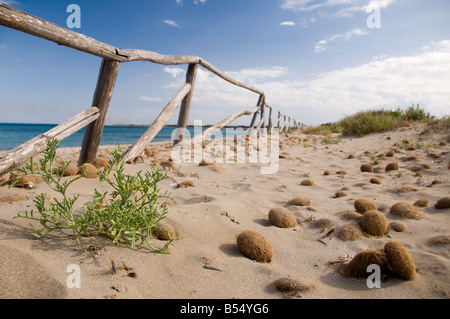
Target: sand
(227, 199)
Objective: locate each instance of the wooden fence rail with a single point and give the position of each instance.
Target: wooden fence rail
(94, 117)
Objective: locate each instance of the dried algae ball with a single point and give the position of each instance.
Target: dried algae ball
(327, 172)
(71, 170)
(340, 194)
(390, 153)
(349, 232)
(300, 201)
(307, 182)
(398, 226)
(101, 162)
(185, 184)
(400, 260)
(161, 230)
(363, 205)
(392, 166)
(89, 170)
(366, 168)
(282, 217)
(255, 246)
(375, 180)
(357, 267)
(404, 209)
(290, 284)
(443, 202)
(421, 202)
(374, 223)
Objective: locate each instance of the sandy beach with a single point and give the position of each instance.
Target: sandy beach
(229, 198)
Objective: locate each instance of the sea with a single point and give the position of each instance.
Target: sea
(14, 134)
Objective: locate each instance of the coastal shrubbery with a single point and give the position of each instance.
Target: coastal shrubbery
(128, 214)
(363, 123)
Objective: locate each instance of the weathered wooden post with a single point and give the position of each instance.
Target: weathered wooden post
(252, 123)
(263, 114)
(102, 96)
(186, 104)
(270, 120)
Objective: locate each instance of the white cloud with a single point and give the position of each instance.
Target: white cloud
(288, 23)
(174, 71)
(341, 8)
(196, 2)
(150, 99)
(322, 44)
(172, 23)
(383, 82)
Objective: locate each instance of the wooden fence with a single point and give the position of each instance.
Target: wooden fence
(94, 117)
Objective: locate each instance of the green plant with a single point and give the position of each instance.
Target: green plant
(376, 160)
(306, 145)
(310, 218)
(329, 140)
(127, 215)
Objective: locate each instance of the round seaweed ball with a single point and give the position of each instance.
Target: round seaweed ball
(161, 230)
(300, 201)
(392, 166)
(400, 260)
(349, 232)
(366, 168)
(357, 267)
(89, 169)
(282, 217)
(290, 284)
(404, 209)
(363, 205)
(374, 223)
(443, 202)
(255, 246)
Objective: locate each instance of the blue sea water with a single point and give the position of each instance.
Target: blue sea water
(14, 134)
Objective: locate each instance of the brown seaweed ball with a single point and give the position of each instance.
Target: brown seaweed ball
(390, 153)
(327, 172)
(443, 202)
(324, 222)
(89, 170)
(290, 284)
(349, 232)
(282, 217)
(340, 194)
(255, 246)
(307, 182)
(357, 267)
(363, 205)
(101, 162)
(421, 202)
(398, 226)
(439, 240)
(375, 180)
(392, 166)
(161, 229)
(366, 168)
(400, 260)
(404, 209)
(300, 201)
(374, 223)
(71, 170)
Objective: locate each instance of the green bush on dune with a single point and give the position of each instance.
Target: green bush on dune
(126, 215)
(363, 123)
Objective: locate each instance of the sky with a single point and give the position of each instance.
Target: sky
(316, 60)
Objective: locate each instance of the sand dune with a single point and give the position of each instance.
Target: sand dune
(226, 199)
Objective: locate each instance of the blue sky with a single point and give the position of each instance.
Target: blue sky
(316, 60)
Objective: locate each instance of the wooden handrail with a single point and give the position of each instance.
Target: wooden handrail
(112, 57)
(23, 152)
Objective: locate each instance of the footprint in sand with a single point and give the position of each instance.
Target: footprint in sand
(199, 199)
